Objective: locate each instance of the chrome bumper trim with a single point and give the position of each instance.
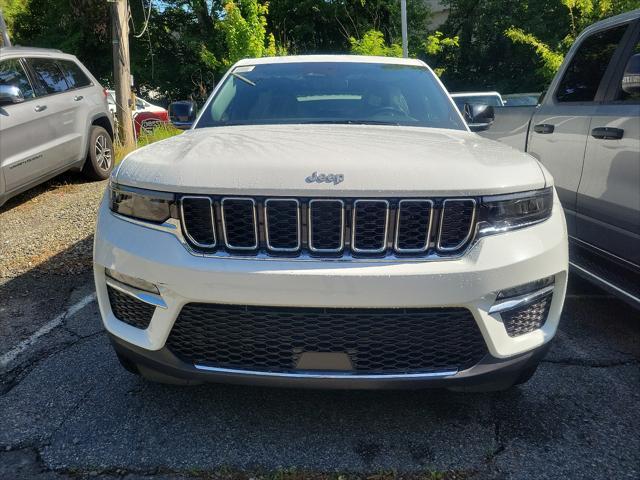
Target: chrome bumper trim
(521, 301)
(328, 375)
(146, 297)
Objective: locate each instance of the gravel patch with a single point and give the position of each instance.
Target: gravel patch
(44, 222)
(46, 241)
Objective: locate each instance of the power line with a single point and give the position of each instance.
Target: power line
(146, 18)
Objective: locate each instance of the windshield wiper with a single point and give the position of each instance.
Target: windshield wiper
(244, 79)
(352, 122)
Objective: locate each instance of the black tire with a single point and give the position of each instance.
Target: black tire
(526, 374)
(100, 159)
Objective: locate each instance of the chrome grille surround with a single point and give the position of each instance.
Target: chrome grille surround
(310, 223)
(472, 223)
(228, 244)
(355, 223)
(272, 201)
(184, 224)
(396, 240)
(270, 229)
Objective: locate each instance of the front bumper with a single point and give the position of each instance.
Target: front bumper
(494, 263)
(489, 374)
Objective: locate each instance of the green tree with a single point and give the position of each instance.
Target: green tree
(81, 28)
(581, 14)
(513, 45)
(372, 43)
(440, 50)
(244, 28)
(327, 26)
(10, 10)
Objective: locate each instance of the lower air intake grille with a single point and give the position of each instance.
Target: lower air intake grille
(129, 310)
(528, 318)
(376, 340)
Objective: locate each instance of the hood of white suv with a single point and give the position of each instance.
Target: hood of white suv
(348, 160)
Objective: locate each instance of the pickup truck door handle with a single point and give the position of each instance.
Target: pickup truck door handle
(40, 108)
(77, 98)
(607, 133)
(543, 128)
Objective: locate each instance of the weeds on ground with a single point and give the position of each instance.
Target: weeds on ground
(160, 132)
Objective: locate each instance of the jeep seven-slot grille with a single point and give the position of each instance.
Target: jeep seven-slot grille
(258, 338)
(329, 227)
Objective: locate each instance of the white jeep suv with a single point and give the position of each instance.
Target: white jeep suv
(331, 222)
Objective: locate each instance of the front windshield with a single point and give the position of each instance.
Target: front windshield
(336, 92)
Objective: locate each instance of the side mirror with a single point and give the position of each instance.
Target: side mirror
(10, 94)
(479, 117)
(183, 114)
(631, 77)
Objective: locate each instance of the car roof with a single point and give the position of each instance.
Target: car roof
(330, 58)
(610, 22)
(33, 52)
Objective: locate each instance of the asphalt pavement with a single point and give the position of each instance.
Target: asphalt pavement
(68, 410)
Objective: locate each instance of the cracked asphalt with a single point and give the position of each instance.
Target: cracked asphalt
(68, 410)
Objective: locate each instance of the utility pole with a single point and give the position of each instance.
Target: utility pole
(403, 17)
(122, 70)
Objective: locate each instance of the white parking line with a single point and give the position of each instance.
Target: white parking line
(588, 295)
(12, 354)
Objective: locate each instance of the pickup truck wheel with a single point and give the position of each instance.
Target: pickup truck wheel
(99, 162)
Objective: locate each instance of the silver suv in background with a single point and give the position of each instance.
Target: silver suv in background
(53, 117)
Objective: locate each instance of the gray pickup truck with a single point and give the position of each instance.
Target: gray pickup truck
(586, 132)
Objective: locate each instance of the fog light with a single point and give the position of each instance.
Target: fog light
(132, 281)
(528, 318)
(526, 288)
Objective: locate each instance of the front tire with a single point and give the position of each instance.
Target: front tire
(100, 159)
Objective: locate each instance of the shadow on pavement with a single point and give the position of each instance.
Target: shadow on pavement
(60, 181)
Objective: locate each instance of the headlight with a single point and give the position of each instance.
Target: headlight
(148, 205)
(508, 212)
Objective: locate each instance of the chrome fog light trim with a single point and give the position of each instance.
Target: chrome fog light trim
(520, 290)
(136, 283)
(520, 301)
(146, 297)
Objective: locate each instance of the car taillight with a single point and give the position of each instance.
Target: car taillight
(105, 93)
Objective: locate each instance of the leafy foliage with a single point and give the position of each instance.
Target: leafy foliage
(550, 59)
(505, 45)
(581, 14)
(440, 50)
(244, 28)
(372, 43)
(327, 26)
